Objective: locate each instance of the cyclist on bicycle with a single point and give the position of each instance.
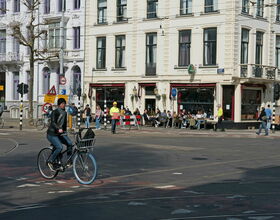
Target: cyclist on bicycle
(56, 134)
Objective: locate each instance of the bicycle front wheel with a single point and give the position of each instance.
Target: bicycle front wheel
(84, 167)
(40, 125)
(43, 168)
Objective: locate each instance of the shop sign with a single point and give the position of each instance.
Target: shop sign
(191, 69)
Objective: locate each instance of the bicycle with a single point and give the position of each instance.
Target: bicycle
(84, 163)
(43, 123)
(2, 122)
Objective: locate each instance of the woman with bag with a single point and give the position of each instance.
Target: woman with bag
(263, 125)
(98, 116)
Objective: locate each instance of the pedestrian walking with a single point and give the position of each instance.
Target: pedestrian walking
(87, 112)
(263, 118)
(115, 113)
(220, 118)
(268, 113)
(98, 116)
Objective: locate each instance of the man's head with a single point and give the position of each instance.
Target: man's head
(219, 106)
(61, 103)
(115, 104)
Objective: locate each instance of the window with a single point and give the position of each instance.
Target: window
(245, 6)
(120, 51)
(210, 44)
(152, 6)
(278, 11)
(184, 47)
(277, 51)
(15, 46)
(121, 10)
(61, 3)
(101, 53)
(185, 7)
(102, 11)
(244, 46)
(47, 6)
(46, 80)
(259, 47)
(2, 41)
(260, 8)
(77, 36)
(54, 35)
(151, 53)
(16, 5)
(15, 84)
(2, 7)
(77, 4)
(210, 6)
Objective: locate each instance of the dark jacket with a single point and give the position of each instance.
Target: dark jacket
(261, 117)
(58, 121)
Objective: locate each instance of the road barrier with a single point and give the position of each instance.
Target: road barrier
(129, 121)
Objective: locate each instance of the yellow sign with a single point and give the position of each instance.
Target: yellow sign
(63, 96)
(49, 98)
(1, 88)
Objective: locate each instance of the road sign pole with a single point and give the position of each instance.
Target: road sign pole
(21, 110)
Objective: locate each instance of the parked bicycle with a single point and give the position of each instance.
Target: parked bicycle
(84, 163)
(43, 123)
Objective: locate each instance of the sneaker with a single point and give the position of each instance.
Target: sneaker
(50, 165)
(58, 167)
(69, 163)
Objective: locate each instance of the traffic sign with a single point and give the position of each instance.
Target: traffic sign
(52, 91)
(62, 80)
(1, 87)
(45, 107)
(63, 92)
(174, 92)
(63, 96)
(49, 98)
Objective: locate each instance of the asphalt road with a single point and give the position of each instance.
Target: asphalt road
(146, 175)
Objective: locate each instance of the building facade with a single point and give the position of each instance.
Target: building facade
(63, 29)
(213, 52)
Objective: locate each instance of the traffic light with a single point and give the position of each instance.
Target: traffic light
(22, 88)
(25, 89)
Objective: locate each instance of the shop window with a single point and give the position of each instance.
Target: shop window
(196, 99)
(251, 102)
(110, 94)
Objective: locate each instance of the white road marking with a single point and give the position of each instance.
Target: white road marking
(165, 187)
(177, 173)
(21, 178)
(181, 211)
(60, 182)
(136, 203)
(235, 197)
(27, 185)
(65, 191)
(75, 187)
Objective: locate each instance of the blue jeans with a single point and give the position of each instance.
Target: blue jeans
(97, 122)
(263, 125)
(198, 123)
(268, 124)
(114, 122)
(87, 122)
(57, 142)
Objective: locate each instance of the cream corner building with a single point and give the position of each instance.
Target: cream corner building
(231, 45)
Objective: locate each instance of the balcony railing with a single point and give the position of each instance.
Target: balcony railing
(257, 71)
(11, 57)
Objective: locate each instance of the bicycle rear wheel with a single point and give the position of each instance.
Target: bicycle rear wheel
(42, 159)
(84, 167)
(40, 125)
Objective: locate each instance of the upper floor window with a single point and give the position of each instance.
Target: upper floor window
(244, 46)
(2, 41)
(121, 10)
(16, 46)
(152, 7)
(184, 47)
(277, 51)
(151, 54)
(61, 5)
(101, 53)
(185, 7)
(77, 36)
(260, 8)
(259, 47)
(120, 51)
(3, 7)
(102, 11)
(210, 46)
(278, 11)
(77, 4)
(245, 6)
(210, 6)
(47, 6)
(54, 35)
(16, 5)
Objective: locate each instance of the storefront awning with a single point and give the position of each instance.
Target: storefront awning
(107, 85)
(175, 85)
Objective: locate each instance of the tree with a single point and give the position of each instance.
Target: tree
(34, 33)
